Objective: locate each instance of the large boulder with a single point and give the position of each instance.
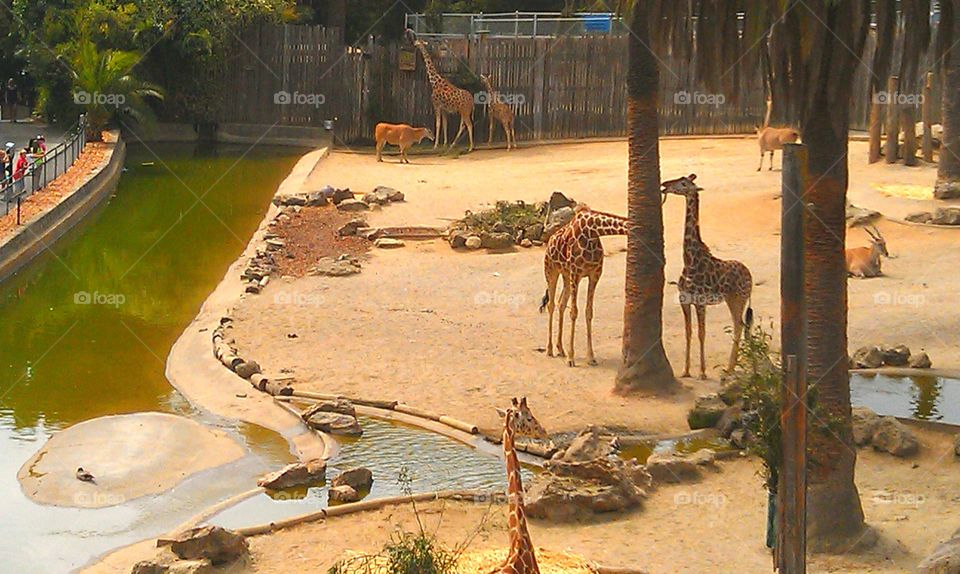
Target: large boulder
(920, 217)
(343, 493)
(335, 423)
(352, 205)
(297, 474)
(568, 491)
(559, 201)
(670, 467)
(382, 195)
(920, 361)
(359, 479)
(350, 228)
(891, 435)
(533, 232)
(587, 446)
(868, 358)
(865, 423)
(473, 242)
(340, 195)
(341, 406)
(945, 558)
(898, 356)
(857, 216)
(216, 544)
(946, 216)
(247, 369)
(496, 240)
(706, 412)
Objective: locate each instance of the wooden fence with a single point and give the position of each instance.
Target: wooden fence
(560, 88)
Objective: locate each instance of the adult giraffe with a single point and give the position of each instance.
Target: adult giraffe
(447, 99)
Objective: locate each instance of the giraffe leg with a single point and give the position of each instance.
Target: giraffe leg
(771, 160)
(468, 121)
(736, 305)
(459, 133)
(761, 161)
(591, 291)
(689, 330)
(702, 332)
(574, 284)
(552, 276)
(490, 132)
(564, 297)
(438, 117)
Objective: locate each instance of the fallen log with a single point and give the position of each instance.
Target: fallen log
(459, 425)
(407, 409)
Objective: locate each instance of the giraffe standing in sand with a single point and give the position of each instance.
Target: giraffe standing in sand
(575, 252)
(447, 99)
(707, 280)
(499, 111)
(518, 421)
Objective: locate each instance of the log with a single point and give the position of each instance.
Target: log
(926, 113)
(876, 128)
(890, 151)
(273, 388)
(459, 425)
(407, 409)
(379, 404)
(230, 361)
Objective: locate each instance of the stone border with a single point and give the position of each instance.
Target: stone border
(41, 231)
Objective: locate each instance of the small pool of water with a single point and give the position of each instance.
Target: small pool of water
(642, 451)
(429, 461)
(923, 398)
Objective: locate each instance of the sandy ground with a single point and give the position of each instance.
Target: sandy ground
(459, 332)
(715, 525)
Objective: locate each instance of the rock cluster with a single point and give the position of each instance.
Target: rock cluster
(555, 213)
(261, 266)
(382, 195)
(335, 267)
(337, 417)
(706, 412)
(225, 350)
(942, 216)
(196, 551)
(315, 199)
(874, 357)
(885, 434)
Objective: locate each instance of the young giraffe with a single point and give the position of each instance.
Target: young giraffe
(707, 280)
(575, 252)
(447, 99)
(499, 112)
(518, 421)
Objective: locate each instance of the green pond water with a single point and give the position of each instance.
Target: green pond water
(925, 398)
(85, 331)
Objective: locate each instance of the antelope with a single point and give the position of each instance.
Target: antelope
(771, 139)
(399, 135)
(865, 261)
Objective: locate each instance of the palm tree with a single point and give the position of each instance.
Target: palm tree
(103, 83)
(948, 172)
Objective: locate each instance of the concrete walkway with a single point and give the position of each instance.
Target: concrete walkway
(21, 132)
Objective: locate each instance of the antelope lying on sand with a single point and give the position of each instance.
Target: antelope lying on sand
(399, 135)
(771, 139)
(865, 261)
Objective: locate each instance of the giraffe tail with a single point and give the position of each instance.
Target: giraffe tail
(748, 317)
(544, 301)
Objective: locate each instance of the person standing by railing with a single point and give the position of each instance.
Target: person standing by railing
(20, 171)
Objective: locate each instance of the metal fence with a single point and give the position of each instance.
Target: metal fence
(515, 24)
(44, 168)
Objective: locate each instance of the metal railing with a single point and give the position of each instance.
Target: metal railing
(43, 169)
(515, 24)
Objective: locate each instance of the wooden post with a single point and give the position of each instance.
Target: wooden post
(876, 128)
(792, 485)
(926, 108)
(893, 121)
(909, 126)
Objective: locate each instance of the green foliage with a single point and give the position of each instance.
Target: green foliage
(505, 215)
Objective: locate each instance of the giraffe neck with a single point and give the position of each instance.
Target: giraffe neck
(521, 548)
(432, 74)
(604, 224)
(693, 246)
(492, 96)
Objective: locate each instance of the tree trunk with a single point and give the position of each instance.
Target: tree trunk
(645, 365)
(876, 128)
(908, 125)
(948, 172)
(337, 17)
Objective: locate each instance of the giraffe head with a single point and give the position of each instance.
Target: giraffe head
(681, 186)
(524, 424)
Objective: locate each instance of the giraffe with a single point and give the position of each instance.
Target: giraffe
(518, 421)
(707, 280)
(575, 252)
(499, 112)
(447, 99)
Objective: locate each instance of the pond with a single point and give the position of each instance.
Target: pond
(925, 398)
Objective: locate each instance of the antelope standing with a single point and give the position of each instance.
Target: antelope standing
(400, 135)
(771, 139)
(865, 261)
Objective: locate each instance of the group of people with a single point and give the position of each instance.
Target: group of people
(16, 163)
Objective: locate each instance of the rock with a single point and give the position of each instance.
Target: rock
(352, 205)
(672, 468)
(253, 287)
(533, 232)
(560, 201)
(340, 406)
(387, 193)
(857, 216)
(945, 558)
(335, 423)
(568, 491)
(359, 479)
(730, 421)
(327, 191)
(330, 267)
(458, 239)
(214, 543)
(730, 392)
(868, 358)
(293, 200)
(149, 567)
(920, 217)
(473, 242)
(556, 220)
(890, 435)
(526, 243)
(897, 356)
(587, 446)
(741, 438)
(190, 567)
(340, 195)
(388, 243)
(946, 190)
(247, 369)
(706, 412)
(343, 493)
(920, 361)
(865, 423)
(501, 227)
(946, 216)
(496, 240)
(350, 228)
(703, 457)
(296, 474)
(316, 199)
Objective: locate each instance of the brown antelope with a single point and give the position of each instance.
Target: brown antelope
(399, 135)
(865, 261)
(772, 139)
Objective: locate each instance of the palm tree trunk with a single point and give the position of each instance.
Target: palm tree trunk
(645, 365)
(948, 172)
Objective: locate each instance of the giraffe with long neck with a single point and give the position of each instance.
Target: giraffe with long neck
(499, 111)
(447, 99)
(574, 252)
(518, 421)
(707, 280)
